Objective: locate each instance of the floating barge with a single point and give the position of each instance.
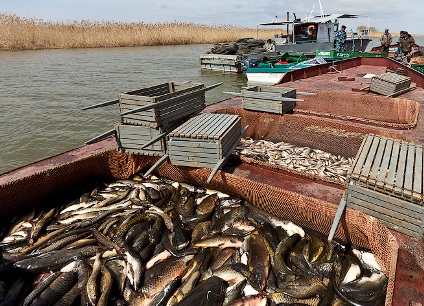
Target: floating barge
(336, 120)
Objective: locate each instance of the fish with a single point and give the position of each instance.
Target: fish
(258, 259)
(209, 292)
(57, 289)
(210, 248)
(222, 241)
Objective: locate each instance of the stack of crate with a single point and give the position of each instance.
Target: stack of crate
(389, 83)
(278, 100)
(386, 182)
(148, 114)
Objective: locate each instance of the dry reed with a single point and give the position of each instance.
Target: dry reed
(29, 34)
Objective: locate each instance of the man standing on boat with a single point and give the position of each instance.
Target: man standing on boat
(386, 40)
(398, 49)
(406, 45)
(340, 38)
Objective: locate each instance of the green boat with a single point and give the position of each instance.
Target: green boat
(338, 55)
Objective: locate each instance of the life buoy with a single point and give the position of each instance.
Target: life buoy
(310, 29)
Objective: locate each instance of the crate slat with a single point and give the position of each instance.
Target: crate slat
(418, 178)
(384, 164)
(400, 171)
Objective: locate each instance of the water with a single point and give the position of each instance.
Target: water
(42, 92)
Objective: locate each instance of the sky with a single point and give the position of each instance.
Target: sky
(396, 15)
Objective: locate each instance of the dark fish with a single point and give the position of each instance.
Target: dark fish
(258, 260)
(57, 289)
(304, 287)
(282, 252)
(40, 287)
(162, 298)
(209, 292)
(54, 260)
(105, 286)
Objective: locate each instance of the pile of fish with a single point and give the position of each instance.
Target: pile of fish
(153, 241)
(301, 159)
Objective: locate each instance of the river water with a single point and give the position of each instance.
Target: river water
(42, 93)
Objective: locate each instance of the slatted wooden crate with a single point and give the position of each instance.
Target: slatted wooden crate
(269, 99)
(204, 140)
(130, 139)
(386, 181)
(389, 83)
(221, 62)
(169, 102)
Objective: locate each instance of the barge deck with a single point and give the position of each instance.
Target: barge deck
(47, 175)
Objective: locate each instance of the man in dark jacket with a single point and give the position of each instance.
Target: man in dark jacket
(406, 44)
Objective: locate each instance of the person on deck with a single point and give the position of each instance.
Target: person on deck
(386, 40)
(340, 38)
(398, 49)
(406, 45)
(269, 46)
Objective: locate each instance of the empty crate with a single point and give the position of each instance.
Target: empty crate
(204, 140)
(389, 83)
(386, 181)
(269, 99)
(161, 104)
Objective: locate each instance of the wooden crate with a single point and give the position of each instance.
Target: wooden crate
(170, 102)
(386, 181)
(389, 83)
(204, 140)
(130, 139)
(269, 99)
(221, 62)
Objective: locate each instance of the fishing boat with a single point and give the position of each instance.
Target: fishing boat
(336, 119)
(271, 74)
(331, 55)
(317, 32)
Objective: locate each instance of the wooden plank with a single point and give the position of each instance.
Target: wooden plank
(229, 120)
(190, 161)
(361, 156)
(418, 175)
(400, 171)
(388, 201)
(409, 171)
(339, 212)
(210, 128)
(391, 175)
(357, 204)
(369, 160)
(377, 161)
(190, 125)
(195, 143)
(380, 179)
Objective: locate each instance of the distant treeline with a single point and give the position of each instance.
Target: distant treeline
(29, 34)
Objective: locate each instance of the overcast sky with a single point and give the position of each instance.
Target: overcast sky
(396, 15)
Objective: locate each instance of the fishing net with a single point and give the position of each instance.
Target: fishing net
(375, 110)
(19, 191)
(335, 137)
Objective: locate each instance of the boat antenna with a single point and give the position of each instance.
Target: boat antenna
(310, 15)
(320, 7)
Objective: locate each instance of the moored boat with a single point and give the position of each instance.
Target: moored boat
(274, 75)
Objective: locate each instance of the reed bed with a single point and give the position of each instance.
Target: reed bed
(30, 34)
